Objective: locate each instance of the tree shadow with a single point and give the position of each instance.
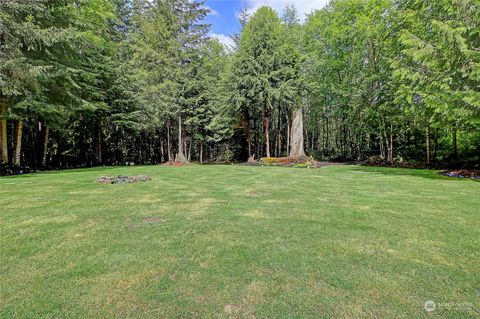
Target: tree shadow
(82, 170)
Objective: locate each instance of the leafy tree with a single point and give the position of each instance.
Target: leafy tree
(439, 64)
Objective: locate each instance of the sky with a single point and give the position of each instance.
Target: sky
(224, 13)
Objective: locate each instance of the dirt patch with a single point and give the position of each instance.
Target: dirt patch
(229, 309)
(462, 173)
(153, 220)
(238, 311)
(147, 220)
(255, 193)
(173, 163)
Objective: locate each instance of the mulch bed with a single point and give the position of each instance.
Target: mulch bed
(462, 173)
(123, 179)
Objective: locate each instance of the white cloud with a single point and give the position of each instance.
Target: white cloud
(303, 6)
(224, 39)
(212, 11)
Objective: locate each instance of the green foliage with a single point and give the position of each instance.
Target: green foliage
(125, 78)
(440, 61)
(254, 74)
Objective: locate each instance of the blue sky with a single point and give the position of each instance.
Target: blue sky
(224, 15)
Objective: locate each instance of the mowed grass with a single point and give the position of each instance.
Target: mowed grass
(240, 242)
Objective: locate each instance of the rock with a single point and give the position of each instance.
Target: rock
(105, 180)
(462, 173)
(123, 179)
(143, 178)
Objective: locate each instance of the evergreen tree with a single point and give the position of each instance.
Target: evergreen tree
(167, 50)
(85, 83)
(256, 69)
(439, 64)
(28, 31)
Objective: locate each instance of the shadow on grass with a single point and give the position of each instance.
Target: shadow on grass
(70, 170)
(415, 172)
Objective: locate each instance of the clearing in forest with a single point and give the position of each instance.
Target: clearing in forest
(240, 242)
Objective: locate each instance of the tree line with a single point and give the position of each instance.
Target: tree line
(95, 82)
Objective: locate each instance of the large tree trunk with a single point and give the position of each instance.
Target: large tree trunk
(180, 156)
(249, 141)
(162, 154)
(180, 134)
(3, 132)
(45, 146)
(184, 140)
(427, 140)
(435, 144)
(267, 137)
(169, 144)
(296, 136)
(279, 134)
(288, 134)
(390, 149)
(18, 143)
(382, 146)
(326, 143)
(275, 143)
(278, 150)
(190, 141)
(454, 141)
(313, 141)
(33, 149)
(201, 152)
(388, 142)
(98, 144)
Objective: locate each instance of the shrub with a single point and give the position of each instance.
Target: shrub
(269, 160)
(228, 156)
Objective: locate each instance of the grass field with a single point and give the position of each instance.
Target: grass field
(240, 242)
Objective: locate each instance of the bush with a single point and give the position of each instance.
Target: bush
(375, 161)
(269, 160)
(228, 156)
(10, 169)
(301, 165)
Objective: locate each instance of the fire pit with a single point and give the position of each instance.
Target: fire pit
(123, 179)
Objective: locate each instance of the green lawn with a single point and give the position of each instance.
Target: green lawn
(240, 242)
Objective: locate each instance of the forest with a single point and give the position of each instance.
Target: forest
(101, 82)
(239, 159)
